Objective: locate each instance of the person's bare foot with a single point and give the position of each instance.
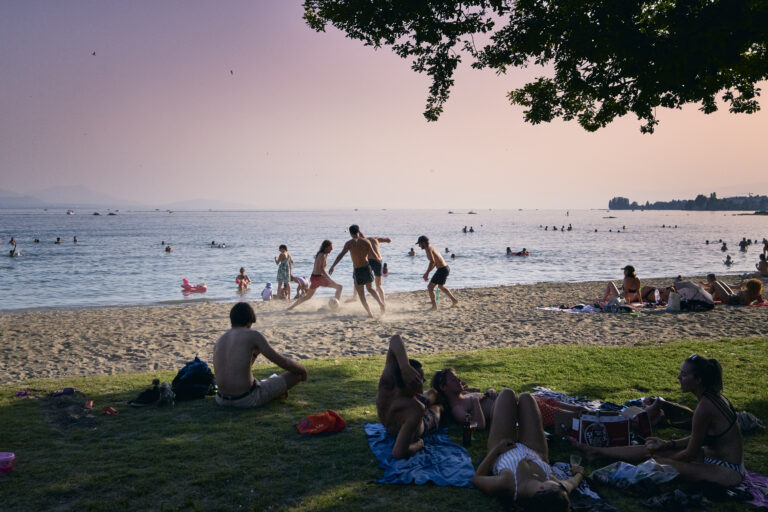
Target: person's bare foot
(455, 305)
(383, 309)
(433, 308)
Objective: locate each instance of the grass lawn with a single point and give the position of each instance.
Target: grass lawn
(198, 456)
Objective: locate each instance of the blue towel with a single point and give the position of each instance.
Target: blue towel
(441, 460)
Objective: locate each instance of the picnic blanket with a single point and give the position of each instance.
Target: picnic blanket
(440, 461)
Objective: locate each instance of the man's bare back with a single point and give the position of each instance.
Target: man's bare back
(233, 356)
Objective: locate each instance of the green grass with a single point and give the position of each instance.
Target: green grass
(198, 456)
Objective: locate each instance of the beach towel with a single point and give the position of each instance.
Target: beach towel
(757, 485)
(441, 461)
(578, 308)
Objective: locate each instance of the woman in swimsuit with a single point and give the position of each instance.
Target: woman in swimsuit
(631, 287)
(714, 450)
(284, 270)
(752, 293)
(516, 465)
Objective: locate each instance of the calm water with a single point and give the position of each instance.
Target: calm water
(119, 259)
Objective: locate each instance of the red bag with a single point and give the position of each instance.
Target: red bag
(322, 422)
(601, 429)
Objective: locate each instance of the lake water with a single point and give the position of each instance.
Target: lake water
(119, 260)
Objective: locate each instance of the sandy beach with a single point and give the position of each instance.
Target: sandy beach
(100, 341)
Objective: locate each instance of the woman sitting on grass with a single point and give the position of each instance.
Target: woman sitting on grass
(714, 450)
(630, 286)
(752, 293)
(516, 466)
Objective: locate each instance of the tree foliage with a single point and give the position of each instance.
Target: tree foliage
(701, 203)
(603, 58)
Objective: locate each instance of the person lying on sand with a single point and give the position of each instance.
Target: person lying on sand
(714, 450)
(516, 464)
(630, 286)
(648, 294)
(407, 413)
(233, 356)
(752, 292)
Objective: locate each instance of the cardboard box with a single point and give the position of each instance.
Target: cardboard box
(639, 422)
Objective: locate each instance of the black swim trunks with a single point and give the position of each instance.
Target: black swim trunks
(363, 275)
(375, 266)
(440, 275)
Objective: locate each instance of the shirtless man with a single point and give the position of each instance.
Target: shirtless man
(375, 261)
(401, 404)
(319, 276)
(360, 249)
(441, 274)
(233, 355)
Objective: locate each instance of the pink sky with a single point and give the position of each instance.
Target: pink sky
(312, 120)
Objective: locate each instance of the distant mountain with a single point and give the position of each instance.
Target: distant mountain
(79, 196)
(10, 199)
(207, 204)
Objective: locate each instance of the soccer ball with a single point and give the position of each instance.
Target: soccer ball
(333, 303)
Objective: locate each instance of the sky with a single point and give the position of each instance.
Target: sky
(240, 101)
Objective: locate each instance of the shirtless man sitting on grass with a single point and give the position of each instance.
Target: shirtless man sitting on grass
(233, 357)
(403, 407)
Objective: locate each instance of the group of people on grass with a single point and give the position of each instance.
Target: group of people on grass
(748, 291)
(516, 467)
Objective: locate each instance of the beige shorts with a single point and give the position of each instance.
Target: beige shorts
(266, 391)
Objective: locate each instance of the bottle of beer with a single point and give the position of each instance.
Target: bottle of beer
(467, 434)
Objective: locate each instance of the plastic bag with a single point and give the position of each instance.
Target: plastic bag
(623, 474)
(673, 303)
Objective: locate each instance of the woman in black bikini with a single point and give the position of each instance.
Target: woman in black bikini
(714, 450)
(630, 286)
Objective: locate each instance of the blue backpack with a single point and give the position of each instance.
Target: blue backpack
(194, 381)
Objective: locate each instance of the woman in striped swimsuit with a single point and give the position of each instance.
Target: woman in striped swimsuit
(516, 465)
(714, 450)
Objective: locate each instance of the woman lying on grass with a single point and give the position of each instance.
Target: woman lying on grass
(516, 466)
(714, 450)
